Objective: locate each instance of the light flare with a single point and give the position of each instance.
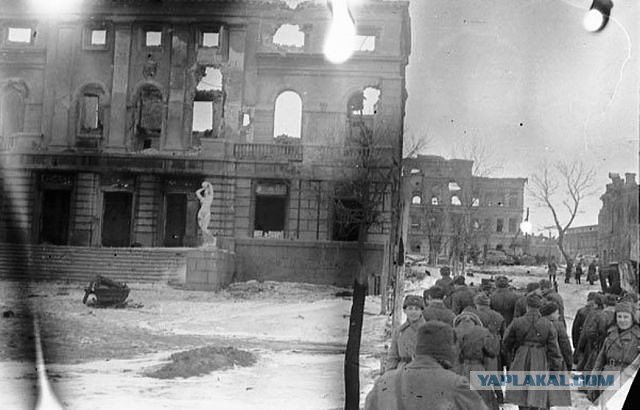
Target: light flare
(55, 7)
(593, 20)
(338, 45)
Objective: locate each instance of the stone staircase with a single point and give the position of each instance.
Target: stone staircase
(77, 263)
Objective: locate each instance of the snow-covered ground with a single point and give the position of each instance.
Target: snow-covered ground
(97, 357)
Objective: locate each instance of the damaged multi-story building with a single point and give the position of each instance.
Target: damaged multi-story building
(447, 202)
(114, 114)
(618, 220)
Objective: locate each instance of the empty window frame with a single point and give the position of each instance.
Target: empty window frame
(364, 43)
(208, 104)
(499, 225)
(90, 113)
(290, 36)
(416, 199)
(149, 115)
(209, 38)
(12, 109)
(287, 115)
(455, 200)
(271, 202)
(435, 200)
(20, 35)
(347, 214)
(153, 38)
(513, 225)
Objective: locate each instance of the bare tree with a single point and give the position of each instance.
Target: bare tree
(358, 203)
(480, 152)
(414, 144)
(563, 187)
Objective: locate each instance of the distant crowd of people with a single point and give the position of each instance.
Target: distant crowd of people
(455, 329)
(576, 271)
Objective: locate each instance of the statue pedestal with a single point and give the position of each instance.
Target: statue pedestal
(209, 268)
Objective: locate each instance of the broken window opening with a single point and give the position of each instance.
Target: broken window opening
(90, 113)
(19, 35)
(347, 216)
(98, 37)
(499, 225)
(434, 200)
(453, 186)
(208, 104)
(153, 38)
(415, 171)
(12, 110)
(287, 116)
(455, 200)
(416, 200)
(289, 35)
(149, 117)
(361, 108)
(364, 43)
(475, 202)
(210, 39)
(499, 247)
(270, 210)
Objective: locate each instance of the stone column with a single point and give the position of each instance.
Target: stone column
(58, 85)
(116, 140)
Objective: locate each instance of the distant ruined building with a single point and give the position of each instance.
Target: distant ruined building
(112, 117)
(447, 201)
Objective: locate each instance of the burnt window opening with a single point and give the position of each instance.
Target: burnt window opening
(435, 200)
(149, 113)
(12, 107)
(98, 37)
(416, 199)
(513, 225)
(21, 35)
(362, 106)
(347, 217)
(289, 36)
(153, 38)
(287, 116)
(475, 202)
(91, 111)
(455, 200)
(271, 201)
(208, 104)
(499, 225)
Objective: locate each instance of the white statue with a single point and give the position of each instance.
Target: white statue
(205, 196)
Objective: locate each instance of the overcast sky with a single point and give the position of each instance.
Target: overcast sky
(524, 76)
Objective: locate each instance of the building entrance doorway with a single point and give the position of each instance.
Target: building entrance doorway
(116, 221)
(54, 223)
(176, 219)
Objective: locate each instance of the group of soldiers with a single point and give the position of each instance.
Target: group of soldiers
(455, 329)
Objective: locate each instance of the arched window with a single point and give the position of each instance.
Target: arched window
(287, 116)
(455, 200)
(416, 199)
(434, 200)
(149, 113)
(12, 106)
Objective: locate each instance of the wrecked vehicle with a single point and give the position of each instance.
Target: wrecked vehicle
(104, 292)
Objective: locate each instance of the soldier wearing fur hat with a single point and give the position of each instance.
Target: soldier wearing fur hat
(445, 282)
(427, 382)
(436, 310)
(622, 344)
(532, 342)
(503, 299)
(403, 341)
(552, 296)
(477, 350)
(521, 304)
(550, 312)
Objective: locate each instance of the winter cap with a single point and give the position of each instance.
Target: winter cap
(467, 315)
(548, 309)
(481, 299)
(629, 297)
(595, 296)
(435, 292)
(445, 271)
(534, 300)
(487, 284)
(502, 281)
(610, 299)
(531, 286)
(458, 280)
(413, 300)
(435, 339)
(545, 284)
(625, 307)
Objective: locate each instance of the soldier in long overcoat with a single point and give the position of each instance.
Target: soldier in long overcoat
(427, 382)
(593, 300)
(503, 299)
(595, 332)
(532, 342)
(521, 303)
(403, 341)
(445, 282)
(552, 296)
(550, 312)
(477, 350)
(622, 344)
(436, 310)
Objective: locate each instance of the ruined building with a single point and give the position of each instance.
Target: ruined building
(581, 241)
(447, 202)
(618, 220)
(113, 115)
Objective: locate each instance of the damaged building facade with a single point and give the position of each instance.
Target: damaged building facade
(447, 201)
(113, 116)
